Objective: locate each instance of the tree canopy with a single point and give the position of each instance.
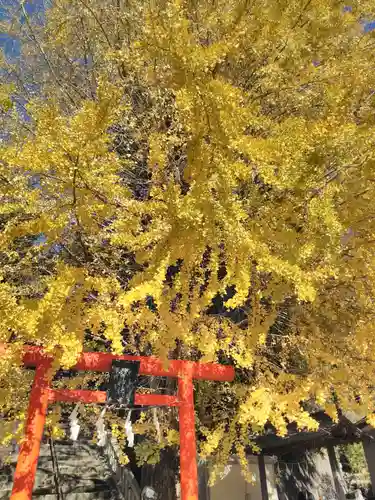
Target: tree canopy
(193, 179)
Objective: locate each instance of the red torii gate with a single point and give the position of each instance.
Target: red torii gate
(42, 394)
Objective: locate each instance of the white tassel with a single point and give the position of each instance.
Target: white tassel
(74, 425)
(100, 429)
(129, 430)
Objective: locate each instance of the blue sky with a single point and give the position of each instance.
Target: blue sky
(369, 26)
(11, 45)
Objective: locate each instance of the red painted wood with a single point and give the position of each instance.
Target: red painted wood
(71, 396)
(41, 394)
(24, 475)
(102, 362)
(188, 448)
(155, 400)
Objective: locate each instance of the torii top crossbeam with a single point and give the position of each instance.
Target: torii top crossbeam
(42, 394)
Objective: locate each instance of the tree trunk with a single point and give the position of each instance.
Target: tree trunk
(163, 476)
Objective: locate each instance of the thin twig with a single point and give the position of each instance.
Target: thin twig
(92, 12)
(44, 54)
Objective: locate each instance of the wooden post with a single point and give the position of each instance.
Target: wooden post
(203, 478)
(188, 447)
(338, 480)
(24, 475)
(369, 449)
(263, 477)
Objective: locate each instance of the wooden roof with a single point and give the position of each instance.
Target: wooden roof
(328, 433)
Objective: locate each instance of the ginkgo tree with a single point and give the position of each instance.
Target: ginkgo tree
(194, 179)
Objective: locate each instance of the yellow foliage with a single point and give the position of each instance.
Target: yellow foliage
(195, 178)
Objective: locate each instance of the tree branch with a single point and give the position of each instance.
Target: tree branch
(92, 12)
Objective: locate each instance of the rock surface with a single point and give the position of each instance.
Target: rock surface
(84, 473)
